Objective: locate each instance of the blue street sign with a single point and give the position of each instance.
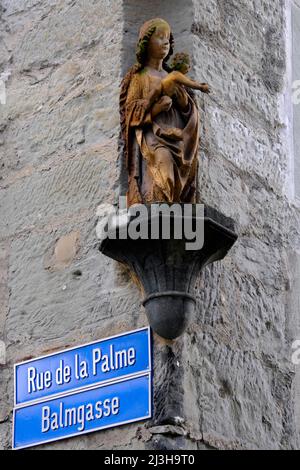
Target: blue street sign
(96, 408)
(102, 361)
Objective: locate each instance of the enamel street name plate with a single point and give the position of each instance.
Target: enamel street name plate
(87, 365)
(102, 407)
(95, 386)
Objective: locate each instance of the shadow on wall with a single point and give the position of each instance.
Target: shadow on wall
(179, 14)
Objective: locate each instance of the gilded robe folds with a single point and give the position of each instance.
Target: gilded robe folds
(161, 153)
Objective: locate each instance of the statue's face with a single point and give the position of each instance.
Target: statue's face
(159, 44)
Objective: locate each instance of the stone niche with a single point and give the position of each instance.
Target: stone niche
(178, 14)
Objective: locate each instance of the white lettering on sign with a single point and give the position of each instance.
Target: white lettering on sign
(78, 416)
(114, 360)
(38, 381)
(62, 374)
(80, 370)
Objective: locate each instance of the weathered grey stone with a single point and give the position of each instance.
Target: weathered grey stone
(52, 309)
(56, 192)
(168, 429)
(249, 149)
(63, 253)
(5, 432)
(4, 291)
(296, 80)
(163, 442)
(242, 92)
(2, 353)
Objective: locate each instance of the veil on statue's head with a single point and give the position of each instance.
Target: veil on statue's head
(146, 31)
(153, 23)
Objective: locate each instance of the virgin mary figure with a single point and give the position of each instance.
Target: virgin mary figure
(160, 133)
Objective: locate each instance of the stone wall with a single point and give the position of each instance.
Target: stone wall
(228, 382)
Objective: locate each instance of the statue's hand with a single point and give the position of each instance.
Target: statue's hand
(162, 105)
(165, 103)
(205, 88)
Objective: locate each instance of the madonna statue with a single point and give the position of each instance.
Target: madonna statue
(159, 120)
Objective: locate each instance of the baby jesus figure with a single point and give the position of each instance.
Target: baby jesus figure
(169, 85)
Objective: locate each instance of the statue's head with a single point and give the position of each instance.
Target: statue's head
(155, 40)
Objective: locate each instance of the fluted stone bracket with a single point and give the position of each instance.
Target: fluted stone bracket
(166, 270)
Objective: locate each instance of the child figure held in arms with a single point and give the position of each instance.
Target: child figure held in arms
(180, 66)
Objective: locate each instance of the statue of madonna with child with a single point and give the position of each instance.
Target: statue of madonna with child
(160, 121)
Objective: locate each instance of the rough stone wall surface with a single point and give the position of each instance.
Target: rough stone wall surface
(240, 344)
(228, 382)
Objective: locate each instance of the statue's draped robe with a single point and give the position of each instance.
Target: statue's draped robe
(161, 153)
